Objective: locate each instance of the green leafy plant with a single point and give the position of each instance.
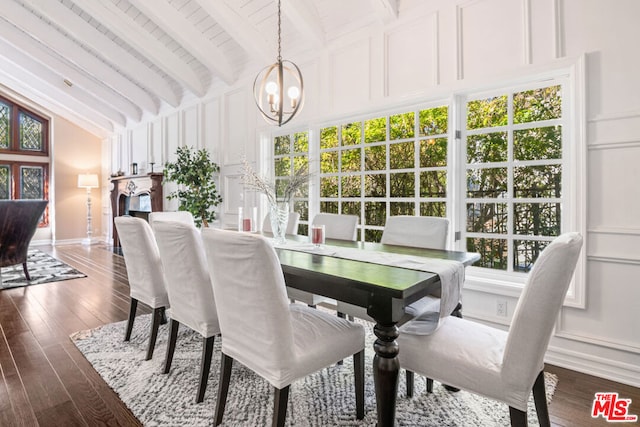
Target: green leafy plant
(194, 171)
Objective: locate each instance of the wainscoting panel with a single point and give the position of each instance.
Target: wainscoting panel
(613, 194)
(412, 70)
(615, 301)
(156, 153)
(191, 127)
(235, 126)
(486, 37)
(351, 60)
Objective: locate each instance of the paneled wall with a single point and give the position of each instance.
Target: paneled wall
(437, 47)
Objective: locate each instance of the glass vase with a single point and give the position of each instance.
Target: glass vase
(279, 216)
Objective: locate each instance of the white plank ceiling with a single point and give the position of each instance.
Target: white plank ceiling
(108, 64)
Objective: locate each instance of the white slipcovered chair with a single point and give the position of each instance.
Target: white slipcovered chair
(178, 216)
(501, 365)
(190, 291)
(144, 270)
(340, 227)
(416, 232)
(279, 341)
(292, 223)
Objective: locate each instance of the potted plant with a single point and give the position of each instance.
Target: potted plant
(194, 171)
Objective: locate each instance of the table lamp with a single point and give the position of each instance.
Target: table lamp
(88, 181)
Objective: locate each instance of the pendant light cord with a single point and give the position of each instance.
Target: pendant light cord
(279, 37)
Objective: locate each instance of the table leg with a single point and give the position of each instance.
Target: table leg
(386, 368)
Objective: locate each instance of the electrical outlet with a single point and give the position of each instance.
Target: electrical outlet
(501, 308)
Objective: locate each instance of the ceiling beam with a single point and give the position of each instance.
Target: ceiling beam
(133, 34)
(31, 24)
(87, 35)
(52, 99)
(234, 23)
(55, 81)
(182, 30)
(304, 17)
(387, 10)
(36, 51)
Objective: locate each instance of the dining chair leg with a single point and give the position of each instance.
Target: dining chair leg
(342, 316)
(409, 376)
(163, 317)
(26, 272)
(540, 399)
(223, 387)
(429, 385)
(171, 345)
(155, 325)
(518, 417)
(280, 401)
(358, 372)
(207, 351)
(133, 306)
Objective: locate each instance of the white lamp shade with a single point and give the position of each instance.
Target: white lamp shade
(87, 180)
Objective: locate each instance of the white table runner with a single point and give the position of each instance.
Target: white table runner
(451, 275)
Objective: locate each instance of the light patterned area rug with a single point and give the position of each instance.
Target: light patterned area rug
(43, 268)
(325, 398)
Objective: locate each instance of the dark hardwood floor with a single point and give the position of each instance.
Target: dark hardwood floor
(47, 382)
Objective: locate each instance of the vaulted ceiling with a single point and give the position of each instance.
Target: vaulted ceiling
(108, 64)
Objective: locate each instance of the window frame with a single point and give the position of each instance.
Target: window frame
(388, 199)
(14, 186)
(14, 135)
(15, 157)
(571, 72)
(572, 78)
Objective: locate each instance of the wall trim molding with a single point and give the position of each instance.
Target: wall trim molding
(459, 43)
(612, 145)
(613, 260)
(594, 365)
(615, 116)
(614, 344)
(527, 48)
(615, 230)
(558, 29)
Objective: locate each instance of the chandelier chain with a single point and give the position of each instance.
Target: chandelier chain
(279, 37)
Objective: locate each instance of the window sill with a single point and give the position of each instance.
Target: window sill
(494, 283)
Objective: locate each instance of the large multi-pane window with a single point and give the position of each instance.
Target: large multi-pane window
(496, 168)
(513, 167)
(23, 132)
(290, 155)
(387, 165)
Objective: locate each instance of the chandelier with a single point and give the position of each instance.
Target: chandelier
(278, 88)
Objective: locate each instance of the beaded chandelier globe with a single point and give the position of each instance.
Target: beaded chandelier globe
(278, 88)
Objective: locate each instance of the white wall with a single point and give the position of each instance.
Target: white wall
(438, 46)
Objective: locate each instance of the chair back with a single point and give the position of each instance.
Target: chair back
(416, 231)
(187, 275)
(141, 256)
(341, 227)
(179, 216)
(253, 307)
(292, 223)
(537, 310)
(18, 223)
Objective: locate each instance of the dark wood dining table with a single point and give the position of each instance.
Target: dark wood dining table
(382, 289)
